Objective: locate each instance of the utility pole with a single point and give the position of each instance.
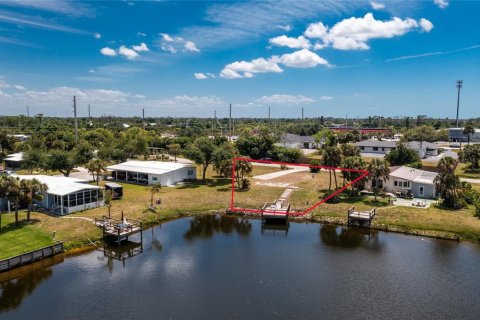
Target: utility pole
(302, 113)
(75, 116)
(268, 112)
(88, 112)
(230, 123)
(28, 111)
(459, 86)
(143, 118)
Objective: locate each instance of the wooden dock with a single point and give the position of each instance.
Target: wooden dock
(360, 218)
(119, 229)
(277, 210)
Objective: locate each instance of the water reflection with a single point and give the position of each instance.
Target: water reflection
(20, 283)
(205, 227)
(275, 228)
(349, 237)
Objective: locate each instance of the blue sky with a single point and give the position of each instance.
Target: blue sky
(189, 58)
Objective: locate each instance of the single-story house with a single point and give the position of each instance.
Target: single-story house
(456, 135)
(376, 146)
(424, 148)
(14, 160)
(404, 180)
(151, 172)
(294, 141)
(66, 195)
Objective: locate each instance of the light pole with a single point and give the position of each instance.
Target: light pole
(459, 86)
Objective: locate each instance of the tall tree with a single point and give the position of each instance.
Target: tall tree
(468, 130)
(448, 184)
(174, 149)
(471, 154)
(201, 151)
(96, 167)
(402, 155)
(379, 171)
(352, 163)
(11, 190)
(58, 160)
(33, 159)
(31, 190)
(332, 158)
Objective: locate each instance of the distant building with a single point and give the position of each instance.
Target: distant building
(20, 137)
(406, 180)
(424, 149)
(65, 195)
(376, 146)
(151, 172)
(14, 160)
(385, 131)
(294, 141)
(456, 135)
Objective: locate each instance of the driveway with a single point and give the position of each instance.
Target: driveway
(273, 175)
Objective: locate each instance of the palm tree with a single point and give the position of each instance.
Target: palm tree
(10, 189)
(332, 158)
(379, 170)
(32, 190)
(448, 184)
(468, 130)
(154, 188)
(95, 167)
(352, 163)
(174, 149)
(107, 199)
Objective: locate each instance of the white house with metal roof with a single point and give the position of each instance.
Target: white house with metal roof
(424, 149)
(294, 141)
(151, 172)
(67, 195)
(406, 180)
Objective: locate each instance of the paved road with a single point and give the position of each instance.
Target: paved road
(282, 173)
(476, 181)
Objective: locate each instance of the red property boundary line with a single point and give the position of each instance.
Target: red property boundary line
(365, 173)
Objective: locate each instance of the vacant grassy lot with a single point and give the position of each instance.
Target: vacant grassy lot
(464, 170)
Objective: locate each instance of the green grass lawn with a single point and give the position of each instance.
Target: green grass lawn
(464, 170)
(24, 238)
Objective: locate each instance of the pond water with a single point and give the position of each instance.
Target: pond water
(218, 267)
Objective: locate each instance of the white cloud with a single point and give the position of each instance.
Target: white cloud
(108, 52)
(425, 24)
(97, 35)
(301, 59)
(203, 76)
(354, 33)
(441, 3)
(294, 43)
(91, 71)
(247, 69)
(176, 44)
(284, 99)
(166, 37)
(141, 34)
(141, 47)
(190, 46)
(286, 28)
(19, 87)
(326, 98)
(128, 53)
(377, 5)
(316, 30)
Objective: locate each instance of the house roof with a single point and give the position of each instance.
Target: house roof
(15, 157)
(423, 144)
(412, 174)
(376, 143)
(293, 138)
(60, 186)
(151, 167)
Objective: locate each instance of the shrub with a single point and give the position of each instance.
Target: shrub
(314, 163)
